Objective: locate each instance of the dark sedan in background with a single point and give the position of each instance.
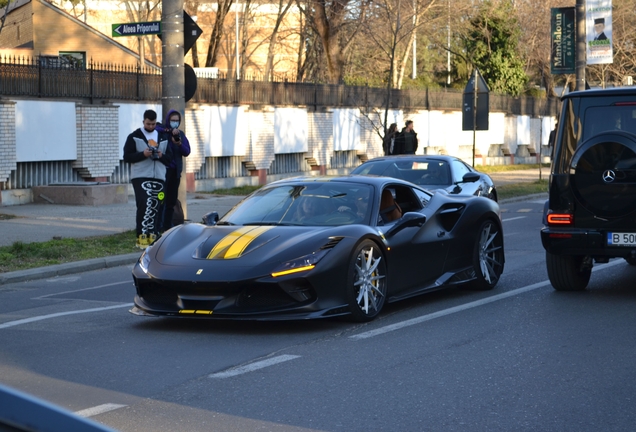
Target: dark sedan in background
(432, 172)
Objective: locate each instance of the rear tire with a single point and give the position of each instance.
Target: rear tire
(488, 257)
(567, 272)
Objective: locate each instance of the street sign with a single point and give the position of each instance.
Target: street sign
(190, 81)
(475, 104)
(137, 29)
(191, 32)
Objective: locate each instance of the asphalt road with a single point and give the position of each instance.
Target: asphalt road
(520, 357)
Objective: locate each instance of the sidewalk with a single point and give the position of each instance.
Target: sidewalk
(43, 222)
(530, 175)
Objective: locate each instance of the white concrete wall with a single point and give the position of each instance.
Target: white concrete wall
(346, 129)
(45, 131)
(291, 130)
(48, 130)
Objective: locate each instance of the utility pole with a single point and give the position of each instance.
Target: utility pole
(580, 45)
(173, 72)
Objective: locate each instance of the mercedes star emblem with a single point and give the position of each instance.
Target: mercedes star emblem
(609, 176)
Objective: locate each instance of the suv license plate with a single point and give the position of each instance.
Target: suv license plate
(621, 239)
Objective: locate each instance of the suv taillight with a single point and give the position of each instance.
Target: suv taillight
(560, 219)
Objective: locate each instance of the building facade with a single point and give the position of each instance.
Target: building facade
(36, 28)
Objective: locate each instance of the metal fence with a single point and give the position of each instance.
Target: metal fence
(28, 77)
(22, 76)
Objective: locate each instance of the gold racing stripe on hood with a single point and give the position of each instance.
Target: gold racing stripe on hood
(232, 245)
(239, 246)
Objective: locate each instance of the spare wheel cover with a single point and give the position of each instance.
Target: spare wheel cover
(603, 174)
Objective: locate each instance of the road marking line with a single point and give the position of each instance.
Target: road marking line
(99, 409)
(253, 366)
(524, 210)
(60, 314)
(474, 304)
(514, 218)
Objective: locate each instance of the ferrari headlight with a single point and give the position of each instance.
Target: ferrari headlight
(301, 264)
(144, 261)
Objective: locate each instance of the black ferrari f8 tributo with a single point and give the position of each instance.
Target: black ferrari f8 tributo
(319, 247)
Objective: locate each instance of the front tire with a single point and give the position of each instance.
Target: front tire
(488, 256)
(366, 283)
(567, 272)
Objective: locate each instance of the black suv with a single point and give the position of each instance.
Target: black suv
(590, 215)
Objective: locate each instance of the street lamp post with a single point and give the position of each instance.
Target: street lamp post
(580, 45)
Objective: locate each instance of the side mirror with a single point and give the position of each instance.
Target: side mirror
(409, 219)
(470, 177)
(211, 219)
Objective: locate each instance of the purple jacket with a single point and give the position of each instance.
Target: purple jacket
(177, 150)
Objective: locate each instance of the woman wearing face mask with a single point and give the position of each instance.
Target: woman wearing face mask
(180, 147)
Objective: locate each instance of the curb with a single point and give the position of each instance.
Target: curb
(68, 268)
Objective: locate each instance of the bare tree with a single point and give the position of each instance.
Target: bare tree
(283, 8)
(223, 8)
(534, 17)
(309, 64)
(337, 23)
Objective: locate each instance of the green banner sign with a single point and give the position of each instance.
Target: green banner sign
(563, 31)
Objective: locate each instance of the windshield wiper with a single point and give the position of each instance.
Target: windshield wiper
(225, 223)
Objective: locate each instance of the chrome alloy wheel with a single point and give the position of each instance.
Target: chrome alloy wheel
(369, 282)
(490, 253)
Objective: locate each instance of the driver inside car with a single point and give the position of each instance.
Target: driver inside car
(309, 208)
(359, 205)
(435, 175)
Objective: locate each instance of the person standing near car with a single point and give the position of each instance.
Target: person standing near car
(180, 147)
(406, 141)
(147, 150)
(388, 144)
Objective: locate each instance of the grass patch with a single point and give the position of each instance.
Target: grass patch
(4, 216)
(21, 256)
(235, 191)
(504, 168)
(520, 189)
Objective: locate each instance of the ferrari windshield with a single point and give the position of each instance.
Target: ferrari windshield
(312, 203)
(419, 171)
